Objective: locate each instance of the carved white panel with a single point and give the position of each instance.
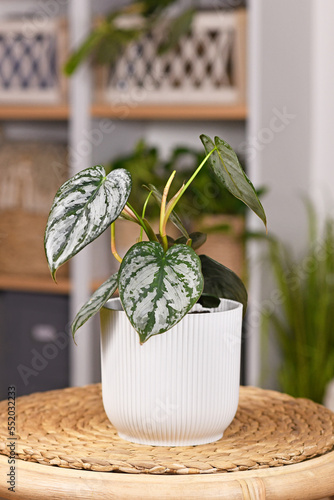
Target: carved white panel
(31, 59)
(207, 65)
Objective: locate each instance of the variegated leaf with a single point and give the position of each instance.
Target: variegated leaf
(157, 289)
(83, 208)
(227, 168)
(94, 304)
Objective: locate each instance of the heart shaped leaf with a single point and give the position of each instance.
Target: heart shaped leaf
(94, 304)
(227, 168)
(83, 208)
(220, 281)
(157, 289)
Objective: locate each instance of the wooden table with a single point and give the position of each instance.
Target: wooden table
(310, 480)
(61, 434)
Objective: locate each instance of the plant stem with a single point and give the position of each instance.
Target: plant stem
(129, 214)
(113, 246)
(144, 224)
(143, 214)
(162, 225)
(173, 202)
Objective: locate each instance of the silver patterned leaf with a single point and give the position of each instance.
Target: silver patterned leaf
(157, 289)
(94, 304)
(227, 168)
(83, 208)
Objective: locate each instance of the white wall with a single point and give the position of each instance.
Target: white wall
(322, 107)
(282, 149)
(167, 135)
(291, 68)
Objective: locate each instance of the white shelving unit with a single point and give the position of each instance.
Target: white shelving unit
(96, 133)
(81, 359)
(160, 125)
(287, 74)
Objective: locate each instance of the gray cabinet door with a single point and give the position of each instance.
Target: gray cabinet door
(34, 342)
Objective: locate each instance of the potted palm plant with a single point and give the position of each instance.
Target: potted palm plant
(178, 383)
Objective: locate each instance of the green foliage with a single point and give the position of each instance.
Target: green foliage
(158, 288)
(94, 304)
(228, 170)
(221, 282)
(175, 29)
(143, 165)
(107, 41)
(83, 208)
(204, 196)
(160, 280)
(304, 327)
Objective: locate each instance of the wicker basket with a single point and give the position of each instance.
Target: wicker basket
(224, 242)
(30, 175)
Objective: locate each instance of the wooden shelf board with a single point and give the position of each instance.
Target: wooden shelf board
(169, 112)
(34, 112)
(128, 112)
(34, 284)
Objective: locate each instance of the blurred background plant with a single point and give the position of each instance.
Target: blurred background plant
(204, 196)
(304, 327)
(114, 32)
(206, 206)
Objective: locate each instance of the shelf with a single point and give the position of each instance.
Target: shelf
(31, 284)
(169, 112)
(40, 284)
(124, 112)
(34, 112)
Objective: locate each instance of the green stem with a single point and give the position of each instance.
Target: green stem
(113, 245)
(173, 203)
(143, 215)
(162, 225)
(145, 225)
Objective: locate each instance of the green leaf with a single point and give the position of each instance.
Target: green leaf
(151, 6)
(82, 53)
(157, 289)
(197, 240)
(227, 168)
(176, 28)
(208, 301)
(220, 281)
(94, 304)
(83, 208)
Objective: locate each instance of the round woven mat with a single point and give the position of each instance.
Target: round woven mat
(69, 428)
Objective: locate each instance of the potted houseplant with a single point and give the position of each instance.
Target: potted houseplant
(301, 313)
(206, 206)
(178, 383)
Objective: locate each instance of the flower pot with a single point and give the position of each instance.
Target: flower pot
(179, 388)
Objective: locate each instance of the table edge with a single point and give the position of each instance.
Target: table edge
(299, 481)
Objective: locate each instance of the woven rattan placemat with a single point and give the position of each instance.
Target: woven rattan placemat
(69, 428)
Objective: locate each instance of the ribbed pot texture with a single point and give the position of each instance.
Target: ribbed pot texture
(179, 388)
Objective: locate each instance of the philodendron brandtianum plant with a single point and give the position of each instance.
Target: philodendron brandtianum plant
(161, 279)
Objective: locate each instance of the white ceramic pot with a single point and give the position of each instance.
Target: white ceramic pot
(179, 388)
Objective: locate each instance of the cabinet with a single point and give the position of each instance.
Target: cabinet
(34, 342)
(96, 132)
